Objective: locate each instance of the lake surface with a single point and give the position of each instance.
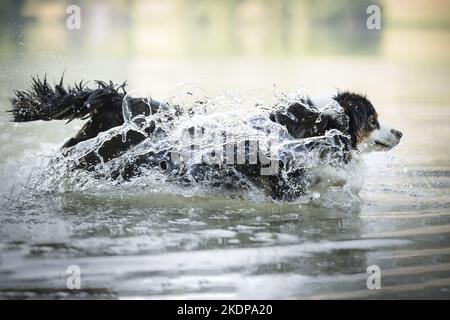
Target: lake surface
(133, 243)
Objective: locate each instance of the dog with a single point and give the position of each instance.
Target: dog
(331, 134)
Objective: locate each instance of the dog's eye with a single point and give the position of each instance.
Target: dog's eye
(373, 123)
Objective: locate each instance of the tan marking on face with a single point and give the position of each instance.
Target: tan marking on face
(361, 135)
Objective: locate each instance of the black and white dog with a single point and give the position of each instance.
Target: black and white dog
(333, 133)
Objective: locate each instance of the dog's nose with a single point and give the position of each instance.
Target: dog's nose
(397, 133)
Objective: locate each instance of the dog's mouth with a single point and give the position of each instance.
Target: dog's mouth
(384, 145)
(382, 139)
(375, 145)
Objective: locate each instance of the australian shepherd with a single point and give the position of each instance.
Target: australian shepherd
(352, 126)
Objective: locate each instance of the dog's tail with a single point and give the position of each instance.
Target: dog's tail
(44, 102)
(102, 105)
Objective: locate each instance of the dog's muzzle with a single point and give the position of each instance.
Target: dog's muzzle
(382, 139)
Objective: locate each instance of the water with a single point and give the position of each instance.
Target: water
(144, 240)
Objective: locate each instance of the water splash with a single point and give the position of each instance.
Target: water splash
(245, 116)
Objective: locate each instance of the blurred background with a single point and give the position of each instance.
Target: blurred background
(243, 45)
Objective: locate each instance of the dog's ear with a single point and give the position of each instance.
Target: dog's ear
(304, 121)
(358, 109)
(301, 120)
(335, 117)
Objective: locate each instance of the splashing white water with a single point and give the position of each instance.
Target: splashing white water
(236, 116)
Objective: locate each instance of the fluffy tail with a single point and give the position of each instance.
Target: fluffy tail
(103, 105)
(43, 102)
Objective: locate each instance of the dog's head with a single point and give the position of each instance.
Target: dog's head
(366, 132)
